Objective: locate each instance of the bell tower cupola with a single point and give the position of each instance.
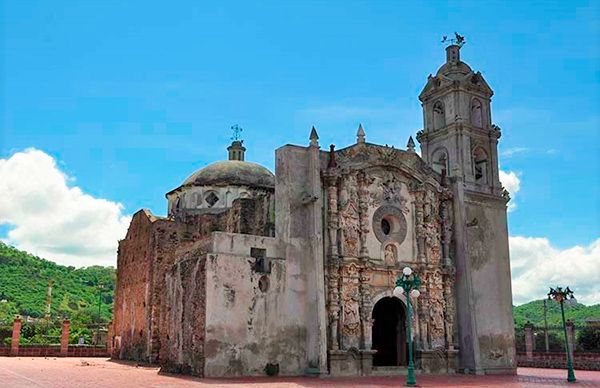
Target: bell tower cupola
(458, 135)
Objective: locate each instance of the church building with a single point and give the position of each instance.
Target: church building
(253, 273)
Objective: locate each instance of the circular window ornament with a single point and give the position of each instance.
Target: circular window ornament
(389, 224)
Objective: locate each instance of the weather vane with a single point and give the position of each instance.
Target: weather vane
(458, 39)
(237, 132)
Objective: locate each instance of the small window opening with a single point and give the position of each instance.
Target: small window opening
(212, 199)
(386, 227)
(262, 264)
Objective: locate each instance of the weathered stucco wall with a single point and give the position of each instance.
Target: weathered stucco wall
(487, 237)
(299, 223)
(252, 318)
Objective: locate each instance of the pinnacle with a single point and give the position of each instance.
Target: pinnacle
(360, 134)
(411, 145)
(314, 137)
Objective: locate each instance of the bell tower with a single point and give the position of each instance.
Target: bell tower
(458, 134)
(460, 141)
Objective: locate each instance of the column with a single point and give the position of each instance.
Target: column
(109, 338)
(571, 338)
(64, 338)
(529, 340)
(16, 336)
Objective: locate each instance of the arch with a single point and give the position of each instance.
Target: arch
(439, 160)
(439, 115)
(480, 165)
(476, 113)
(389, 332)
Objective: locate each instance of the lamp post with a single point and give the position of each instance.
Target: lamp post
(560, 296)
(408, 283)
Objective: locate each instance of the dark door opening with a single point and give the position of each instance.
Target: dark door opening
(389, 332)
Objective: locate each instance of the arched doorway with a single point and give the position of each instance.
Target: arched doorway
(389, 332)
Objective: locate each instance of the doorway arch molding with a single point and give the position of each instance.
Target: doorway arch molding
(389, 293)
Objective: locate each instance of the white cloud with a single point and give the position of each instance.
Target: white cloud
(52, 220)
(512, 151)
(511, 182)
(536, 265)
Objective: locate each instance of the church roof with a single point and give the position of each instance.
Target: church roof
(232, 172)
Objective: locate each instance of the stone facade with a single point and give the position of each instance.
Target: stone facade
(294, 273)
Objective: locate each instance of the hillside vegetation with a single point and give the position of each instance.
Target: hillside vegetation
(534, 312)
(75, 293)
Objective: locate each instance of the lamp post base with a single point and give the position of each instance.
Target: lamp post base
(571, 374)
(411, 380)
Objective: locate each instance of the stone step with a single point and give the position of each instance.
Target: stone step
(389, 371)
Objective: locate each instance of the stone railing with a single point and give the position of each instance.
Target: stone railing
(64, 349)
(558, 360)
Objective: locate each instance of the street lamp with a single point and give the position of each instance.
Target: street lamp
(408, 283)
(561, 296)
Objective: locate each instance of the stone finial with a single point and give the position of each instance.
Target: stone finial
(332, 162)
(314, 137)
(411, 145)
(360, 134)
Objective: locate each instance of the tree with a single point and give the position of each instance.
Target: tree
(589, 338)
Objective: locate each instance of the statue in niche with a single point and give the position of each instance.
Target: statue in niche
(390, 254)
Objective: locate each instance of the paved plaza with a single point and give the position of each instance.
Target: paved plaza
(98, 372)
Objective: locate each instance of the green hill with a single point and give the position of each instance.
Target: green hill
(24, 284)
(534, 312)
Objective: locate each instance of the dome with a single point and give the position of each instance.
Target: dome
(232, 172)
(450, 69)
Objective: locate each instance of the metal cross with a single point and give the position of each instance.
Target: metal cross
(237, 132)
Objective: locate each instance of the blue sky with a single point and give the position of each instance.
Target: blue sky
(129, 98)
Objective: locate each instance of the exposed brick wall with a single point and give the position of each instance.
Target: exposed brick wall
(558, 360)
(131, 296)
(150, 253)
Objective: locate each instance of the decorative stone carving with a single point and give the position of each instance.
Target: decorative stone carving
(435, 290)
(331, 179)
(351, 308)
(446, 215)
(351, 304)
(450, 309)
(431, 228)
(366, 307)
(350, 217)
(363, 206)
